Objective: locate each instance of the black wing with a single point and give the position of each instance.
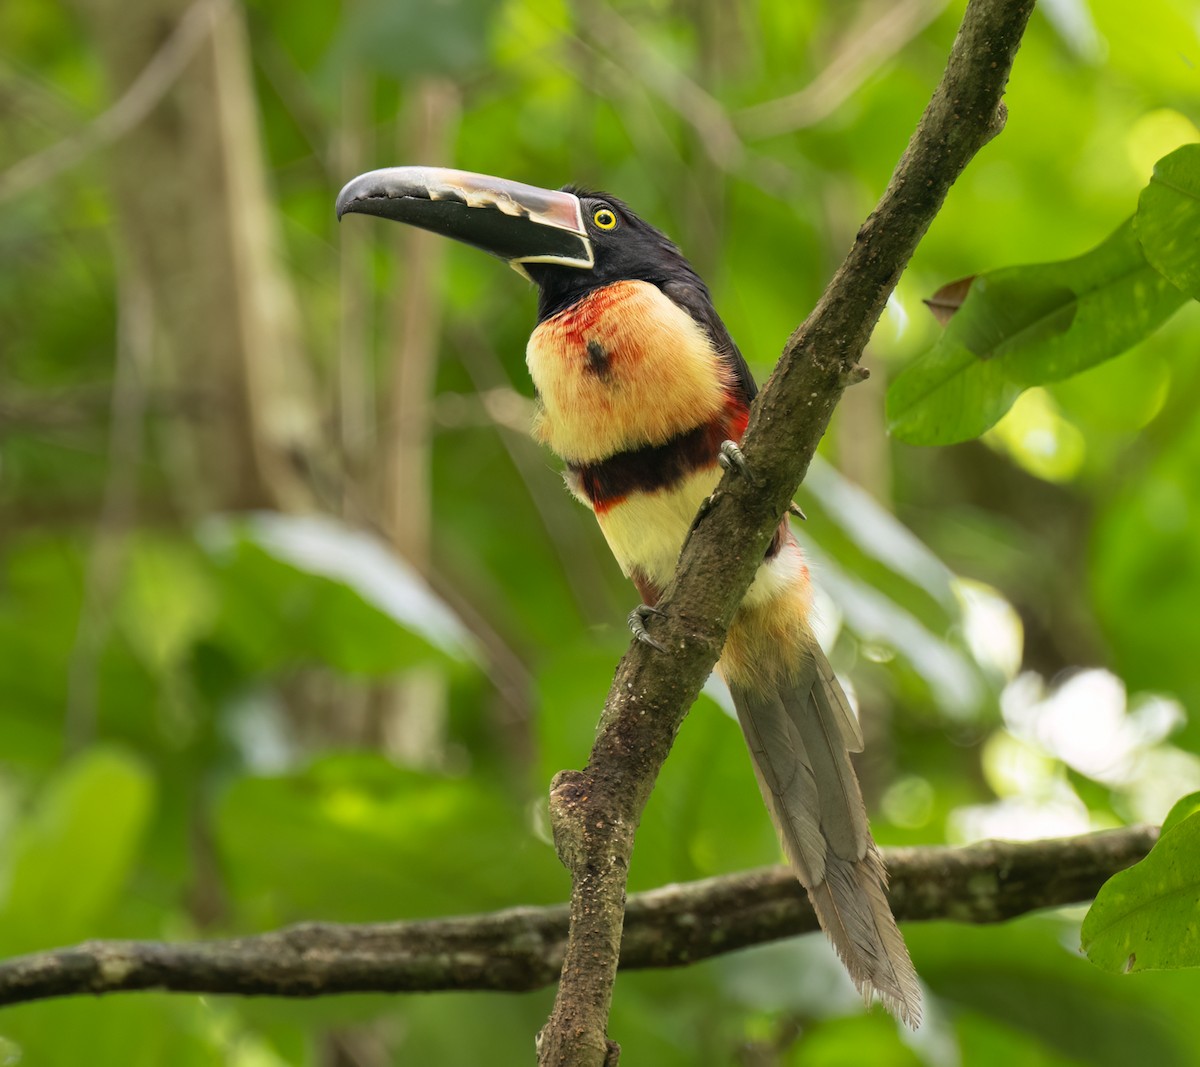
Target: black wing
(694, 298)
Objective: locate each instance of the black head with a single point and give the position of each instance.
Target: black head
(624, 247)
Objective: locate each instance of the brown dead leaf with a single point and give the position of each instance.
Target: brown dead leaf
(949, 298)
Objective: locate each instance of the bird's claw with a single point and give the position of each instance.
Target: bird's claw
(730, 457)
(637, 623)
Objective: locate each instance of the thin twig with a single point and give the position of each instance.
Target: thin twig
(106, 561)
(595, 812)
(877, 35)
(416, 325)
(355, 363)
(626, 63)
(412, 708)
(695, 104)
(87, 406)
(146, 90)
(521, 949)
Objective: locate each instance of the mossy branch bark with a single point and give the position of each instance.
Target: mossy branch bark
(522, 948)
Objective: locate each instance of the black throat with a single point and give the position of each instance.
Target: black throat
(560, 288)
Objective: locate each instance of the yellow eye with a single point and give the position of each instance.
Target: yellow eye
(605, 219)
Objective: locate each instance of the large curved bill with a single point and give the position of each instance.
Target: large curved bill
(519, 223)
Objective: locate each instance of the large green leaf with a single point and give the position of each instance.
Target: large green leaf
(987, 1042)
(71, 858)
(1167, 222)
(147, 1030)
(1025, 326)
(949, 675)
(1145, 572)
(1182, 809)
(1020, 975)
(354, 837)
(167, 600)
(296, 590)
(1148, 917)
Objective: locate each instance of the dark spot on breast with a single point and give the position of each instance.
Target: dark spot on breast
(599, 362)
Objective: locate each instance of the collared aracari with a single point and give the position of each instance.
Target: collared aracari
(644, 395)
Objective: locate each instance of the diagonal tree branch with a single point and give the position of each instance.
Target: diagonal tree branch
(522, 948)
(595, 812)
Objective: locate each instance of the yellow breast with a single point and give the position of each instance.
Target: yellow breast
(623, 367)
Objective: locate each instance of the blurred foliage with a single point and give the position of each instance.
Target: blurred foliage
(213, 724)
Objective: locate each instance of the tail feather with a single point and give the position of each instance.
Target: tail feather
(787, 782)
(800, 737)
(853, 910)
(841, 812)
(834, 705)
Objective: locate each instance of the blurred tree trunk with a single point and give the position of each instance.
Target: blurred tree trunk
(357, 416)
(427, 133)
(199, 236)
(198, 226)
(414, 706)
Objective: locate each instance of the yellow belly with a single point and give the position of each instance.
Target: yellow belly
(646, 531)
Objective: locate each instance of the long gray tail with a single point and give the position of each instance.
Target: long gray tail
(800, 737)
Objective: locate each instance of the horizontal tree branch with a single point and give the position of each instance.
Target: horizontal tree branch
(522, 948)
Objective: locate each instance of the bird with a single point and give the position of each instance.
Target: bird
(645, 397)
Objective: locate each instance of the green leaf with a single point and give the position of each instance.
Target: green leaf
(1020, 975)
(1182, 808)
(952, 678)
(1148, 917)
(1025, 326)
(72, 856)
(1145, 570)
(146, 1030)
(948, 394)
(855, 1039)
(987, 1042)
(354, 837)
(167, 600)
(305, 589)
(1167, 222)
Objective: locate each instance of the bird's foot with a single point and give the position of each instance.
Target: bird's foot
(730, 457)
(637, 623)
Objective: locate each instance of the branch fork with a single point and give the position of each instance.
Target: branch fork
(522, 948)
(650, 695)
